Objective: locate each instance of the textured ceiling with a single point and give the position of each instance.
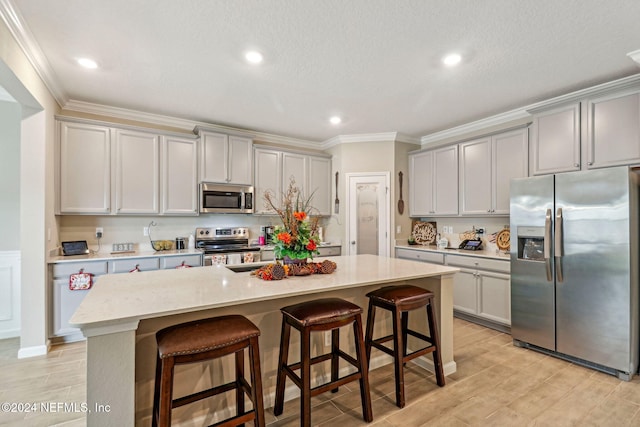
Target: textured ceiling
(375, 63)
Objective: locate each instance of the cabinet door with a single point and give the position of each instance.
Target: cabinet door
(475, 177)
(240, 160)
(445, 178)
(268, 172)
(555, 145)
(465, 291)
(294, 168)
(320, 184)
(495, 297)
(421, 184)
(214, 154)
(179, 176)
(137, 172)
(85, 168)
(510, 160)
(613, 131)
(65, 303)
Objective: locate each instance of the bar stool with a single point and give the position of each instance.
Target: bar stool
(203, 340)
(400, 300)
(328, 314)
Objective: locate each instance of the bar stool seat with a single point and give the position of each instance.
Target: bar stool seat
(203, 340)
(328, 314)
(400, 300)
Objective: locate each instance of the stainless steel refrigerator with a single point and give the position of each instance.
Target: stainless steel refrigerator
(574, 267)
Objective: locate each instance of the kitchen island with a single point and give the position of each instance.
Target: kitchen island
(121, 314)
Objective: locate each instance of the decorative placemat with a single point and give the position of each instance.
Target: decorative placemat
(424, 232)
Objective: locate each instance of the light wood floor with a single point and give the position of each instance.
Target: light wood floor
(496, 385)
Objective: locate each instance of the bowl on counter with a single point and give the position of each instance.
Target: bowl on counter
(162, 245)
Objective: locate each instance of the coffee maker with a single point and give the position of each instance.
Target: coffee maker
(267, 232)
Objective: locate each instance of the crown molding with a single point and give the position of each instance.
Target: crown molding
(369, 137)
(526, 111)
(478, 125)
(31, 49)
(184, 124)
(635, 56)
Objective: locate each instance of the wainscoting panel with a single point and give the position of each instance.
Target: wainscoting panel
(9, 294)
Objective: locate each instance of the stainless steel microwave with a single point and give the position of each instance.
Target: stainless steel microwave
(226, 198)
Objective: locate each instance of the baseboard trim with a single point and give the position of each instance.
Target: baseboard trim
(36, 350)
(11, 333)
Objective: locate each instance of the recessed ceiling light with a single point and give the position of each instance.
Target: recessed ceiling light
(452, 59)
(335, 120)
(87, 63)
(253, 57)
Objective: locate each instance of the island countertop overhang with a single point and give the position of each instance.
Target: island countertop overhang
(128, 298)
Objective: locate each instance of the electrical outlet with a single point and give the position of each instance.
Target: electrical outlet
(99, 232)
(398, 229)
(327, 338)
(480, 230)
(145, 231)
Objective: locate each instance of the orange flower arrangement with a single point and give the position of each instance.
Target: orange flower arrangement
(297, 237)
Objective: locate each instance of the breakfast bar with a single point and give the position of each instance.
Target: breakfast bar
(121, 314)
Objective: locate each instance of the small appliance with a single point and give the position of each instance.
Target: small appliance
(225, 198)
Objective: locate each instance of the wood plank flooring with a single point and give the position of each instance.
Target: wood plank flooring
(496, 384)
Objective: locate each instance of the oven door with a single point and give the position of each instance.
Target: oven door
(215, 198)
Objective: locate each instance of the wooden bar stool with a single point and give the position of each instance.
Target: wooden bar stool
(400, 300)
(329, 314)
(202, 340)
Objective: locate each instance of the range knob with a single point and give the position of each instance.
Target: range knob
(206, 232)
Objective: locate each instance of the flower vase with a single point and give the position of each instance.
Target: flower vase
(299, 261)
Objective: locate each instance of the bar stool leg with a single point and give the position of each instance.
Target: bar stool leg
(305, 372)
(398, 348)
(166, 392)
(365, 394)
(405, 334)
(282, 362)
(256, 382)
(435, 338)
(156, 391)
(335, 359)
(239, 389)
(371, 316)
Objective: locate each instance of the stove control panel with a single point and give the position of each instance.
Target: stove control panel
(222, 233)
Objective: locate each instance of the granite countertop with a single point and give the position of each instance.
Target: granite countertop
(131, 297)
(454, 251)
(321, 245)
(106, 256)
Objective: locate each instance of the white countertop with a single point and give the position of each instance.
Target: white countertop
(321, 245)
(130, 297)
(482, 253)
(106, 256)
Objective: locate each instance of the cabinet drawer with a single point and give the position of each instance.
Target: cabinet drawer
(420, 256)
(479, 263)
(93, 267)
(174, 261)
(126, 265)
(330, 251)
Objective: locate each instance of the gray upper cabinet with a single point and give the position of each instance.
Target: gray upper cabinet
(555, 140)
(486, 167)
(84, 168)
(226, 159)
(613, 130)
(433, 182)
(137, 177)
(268, 177)
(179, 171)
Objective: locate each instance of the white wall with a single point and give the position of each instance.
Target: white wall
(9, 176)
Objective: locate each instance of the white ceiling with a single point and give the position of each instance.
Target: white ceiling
(376, 63)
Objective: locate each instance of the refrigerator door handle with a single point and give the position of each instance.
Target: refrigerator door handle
(547, 245)
(558, 245)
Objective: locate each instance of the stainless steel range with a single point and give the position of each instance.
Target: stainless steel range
(226, 245)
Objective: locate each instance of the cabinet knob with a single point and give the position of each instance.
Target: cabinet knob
(576, 165)
(353, 242)
(590, 163)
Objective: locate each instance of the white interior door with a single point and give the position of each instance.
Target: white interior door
(368, 213)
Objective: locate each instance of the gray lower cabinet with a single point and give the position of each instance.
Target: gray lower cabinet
(481, 289)
(65, 302)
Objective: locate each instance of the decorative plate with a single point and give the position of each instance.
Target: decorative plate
(424, 233)
(503, 240)
(467, 235)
